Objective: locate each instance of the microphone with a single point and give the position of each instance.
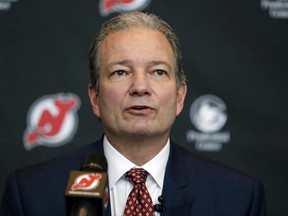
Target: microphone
(160, 207)
(85, 192)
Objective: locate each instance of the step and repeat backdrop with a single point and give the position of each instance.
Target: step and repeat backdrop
(235, 59)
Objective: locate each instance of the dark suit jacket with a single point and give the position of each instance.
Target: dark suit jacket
(192, 186)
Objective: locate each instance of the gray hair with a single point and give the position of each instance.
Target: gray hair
(134, 19)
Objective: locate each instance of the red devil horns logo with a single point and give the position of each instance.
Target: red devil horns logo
(109, 6)
(51, 120)
(86, 181)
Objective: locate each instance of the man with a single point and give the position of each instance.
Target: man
(137, 89)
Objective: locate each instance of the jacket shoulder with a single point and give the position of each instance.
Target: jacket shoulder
(40, 188)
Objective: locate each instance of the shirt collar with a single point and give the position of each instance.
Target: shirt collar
(118, 165)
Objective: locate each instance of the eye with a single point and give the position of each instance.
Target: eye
(119, 73)
(160, 72)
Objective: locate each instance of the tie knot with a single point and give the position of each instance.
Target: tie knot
(136, 175)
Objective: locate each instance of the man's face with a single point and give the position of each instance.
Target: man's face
(137, 94)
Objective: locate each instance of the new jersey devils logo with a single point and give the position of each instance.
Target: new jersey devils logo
(86, 181)
(52, 120)
(109, 6)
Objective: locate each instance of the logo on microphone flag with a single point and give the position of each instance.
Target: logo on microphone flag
(86, 184)
(86, 181)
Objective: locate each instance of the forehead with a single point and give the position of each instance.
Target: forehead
(134, 42)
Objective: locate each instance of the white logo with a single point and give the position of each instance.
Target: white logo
(6, 4)
(208, 115)
(277, 8)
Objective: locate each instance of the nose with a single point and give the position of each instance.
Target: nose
(140, 84)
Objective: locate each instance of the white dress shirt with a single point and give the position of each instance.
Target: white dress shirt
(120, 187)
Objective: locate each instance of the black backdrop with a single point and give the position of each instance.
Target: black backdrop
(235, 58)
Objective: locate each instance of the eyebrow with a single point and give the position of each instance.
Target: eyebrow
(155, 63)
(124, 62)
(151, 63)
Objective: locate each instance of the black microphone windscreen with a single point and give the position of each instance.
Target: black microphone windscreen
(94, 162)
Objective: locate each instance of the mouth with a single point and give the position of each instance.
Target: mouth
(139, 109)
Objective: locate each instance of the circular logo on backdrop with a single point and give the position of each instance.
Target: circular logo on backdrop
(208, 113)
(52, 120)
(109, 6)
(5, 5)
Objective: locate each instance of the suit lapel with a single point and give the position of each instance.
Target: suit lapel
(177, 199)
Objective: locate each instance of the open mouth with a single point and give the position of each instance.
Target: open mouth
(139, 107)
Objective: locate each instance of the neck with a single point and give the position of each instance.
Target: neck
(138, 150)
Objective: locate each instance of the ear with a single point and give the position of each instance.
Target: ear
(181, 93)
(93, 95)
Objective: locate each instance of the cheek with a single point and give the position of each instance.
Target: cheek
(109, 98)
(169, 101)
